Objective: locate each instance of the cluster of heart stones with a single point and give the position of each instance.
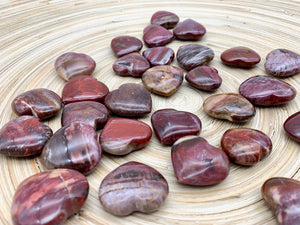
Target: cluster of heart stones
(74, 150)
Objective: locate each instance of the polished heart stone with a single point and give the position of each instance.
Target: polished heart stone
(193, 55)
(74, 147)
(94, 114)
(292, 126)
(163, 80)
(24, 136)
(189, 30)
(169, 125)
(283, 196)
(267, 91)
(155, 35)
(196, 162)
(165, 19)
(229, 106)
(122, 136)
(133, 187)
(84, 88)
(282, 63)
(132, 64)
(129, 100)
(73, 64)
(40, 102)
(49, 197)
(123, 45)
(246, 146)
(204, 78)
(240, 57)
(159, 56)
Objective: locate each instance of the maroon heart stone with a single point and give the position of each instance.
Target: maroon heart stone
(267, 91)
(169, 125)
(94, 114)
(74, 147)
(73, 64)
(204, 78)
(24, 136)
(155, 35)
(133, 187)
(196, 162)
(229, 106)
(132, 64)
(292, 126)
(282, 63)
(193, 55)
(122, 136)
(163, 80)
(129, 100)
(283, 196)
(240, 57)
(40, 102)
(49, 197)
(159, 56)
(123, 45)
(246, 146)
(165, 19)
(189, 30)
(84, 88)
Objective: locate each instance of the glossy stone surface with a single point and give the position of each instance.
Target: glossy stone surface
(196, 162)
(267, 91)
(163, 80)
(133, 187)
(292, 126)
(123, 45)
(41, 102)
(84, 88)
(72, 64)
(169, 125)
(283, 196)
(246, 146)
(122, 136)
(49, 197)
(129, 100)
(240, 57)
(94, 114)
(155, 35)
(204, 78)
(24, 136)
(132, 64)
(229, 106)
(74, 147)
(189, 30)
(159, 56)
(193, 55)
(165, 19)
(282, 63)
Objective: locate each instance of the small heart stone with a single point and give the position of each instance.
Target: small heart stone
(129, 100)
(155, 35)
(189, 30)
(282, 63)
(123, 45)
(196, 162)
(133, 187)
(169, 125)
(165, 19)
(283, 196)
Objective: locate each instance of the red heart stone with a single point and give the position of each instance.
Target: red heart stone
(292, 126)
(283, 196)
(40, 102)
(49, 197)
(159, 56)
(169, 125)
(155, 35)
(123, 45)
(84, 88)
(189, 30)
(165, 19)
(196, 162)
(122, 136)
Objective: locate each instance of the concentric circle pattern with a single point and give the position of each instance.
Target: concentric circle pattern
(34, 33)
